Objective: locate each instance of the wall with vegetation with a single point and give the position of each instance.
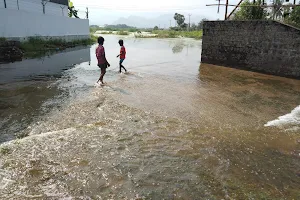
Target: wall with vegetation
(263, 46)
(18, 24)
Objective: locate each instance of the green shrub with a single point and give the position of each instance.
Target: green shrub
(174, 34)
(2, 39)
(122, 33)
(37, 46)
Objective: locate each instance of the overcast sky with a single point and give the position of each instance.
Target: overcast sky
(106, 12)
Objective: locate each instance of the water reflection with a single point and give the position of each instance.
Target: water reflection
(51, 65)
(25, 86)
(178, 48)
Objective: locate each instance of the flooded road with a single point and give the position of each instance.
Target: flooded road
(169, 129)
(28, 89)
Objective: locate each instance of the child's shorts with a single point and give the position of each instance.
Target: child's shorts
(102, 66)
(122, 60)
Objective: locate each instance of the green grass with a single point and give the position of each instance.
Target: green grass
(132, 30)
(172, 34)
(93, 30)
(37, 47)
(192, 34)
(122, 33)
(4, 150)
(106, 32)
(2, 39)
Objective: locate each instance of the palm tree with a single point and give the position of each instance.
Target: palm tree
(277, 9)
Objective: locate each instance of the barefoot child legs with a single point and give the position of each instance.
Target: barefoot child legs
(122, 55)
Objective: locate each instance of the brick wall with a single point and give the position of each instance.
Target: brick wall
(263, 46)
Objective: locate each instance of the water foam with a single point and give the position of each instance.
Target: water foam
(291, 119)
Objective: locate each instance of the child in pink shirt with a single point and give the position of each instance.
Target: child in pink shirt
(102, 62)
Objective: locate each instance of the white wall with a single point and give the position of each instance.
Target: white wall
(35, 6)
(22, 24)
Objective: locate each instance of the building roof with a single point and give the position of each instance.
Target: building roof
(63, 2)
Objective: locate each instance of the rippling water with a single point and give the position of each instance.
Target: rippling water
(169, 129)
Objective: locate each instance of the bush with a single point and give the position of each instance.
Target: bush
(250, 11)
(174, 34)
(122, 33)
(37, 46)
(133, 30)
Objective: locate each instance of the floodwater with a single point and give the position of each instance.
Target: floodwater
(169, 129)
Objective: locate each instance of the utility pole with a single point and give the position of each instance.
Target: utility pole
(190, 21)
(5, 4)
(170, 23)
(236, 7)
(226, 9)
(87, 12)
(18, 4)
(219, 5)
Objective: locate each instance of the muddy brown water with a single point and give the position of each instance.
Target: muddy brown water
(169, 129)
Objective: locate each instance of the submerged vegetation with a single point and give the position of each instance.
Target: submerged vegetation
(36, 46)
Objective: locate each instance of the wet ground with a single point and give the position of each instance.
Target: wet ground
(169, 129)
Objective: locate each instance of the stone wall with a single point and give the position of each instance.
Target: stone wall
(263, 46)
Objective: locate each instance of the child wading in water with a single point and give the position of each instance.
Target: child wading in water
(122, 55)
(102, 62)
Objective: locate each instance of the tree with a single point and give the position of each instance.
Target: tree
(200, 24)
(155, 28)
(294, 18)
(184, 26)
(277, 10)
(72, 11)
(248, 12)
(193, 27)
(179, 19)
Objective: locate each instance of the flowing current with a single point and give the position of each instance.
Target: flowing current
(171, 128)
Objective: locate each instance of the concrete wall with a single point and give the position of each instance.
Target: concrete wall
(35, 6)
(263, 46)
(18, 24)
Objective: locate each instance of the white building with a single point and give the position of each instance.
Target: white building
(20, 19)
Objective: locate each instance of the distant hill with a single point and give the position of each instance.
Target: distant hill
(162, 21)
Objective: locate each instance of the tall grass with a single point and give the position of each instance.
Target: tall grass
(37, 46)
(106, 32)
(2, 39)
(172, 34)
(192, 34)
(122, 33)
(165, 34)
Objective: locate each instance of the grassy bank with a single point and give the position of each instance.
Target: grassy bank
(122, 33)
(130, 30)
(36, 47)
(172, 34)
(114, 32)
